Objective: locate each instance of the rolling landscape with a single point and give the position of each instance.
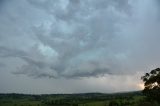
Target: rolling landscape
(85, 99)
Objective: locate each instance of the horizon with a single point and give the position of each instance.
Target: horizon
(73, 46)
(109, 93)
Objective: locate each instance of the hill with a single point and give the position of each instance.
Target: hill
(79, 99)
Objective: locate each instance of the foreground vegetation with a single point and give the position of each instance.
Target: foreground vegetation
(86, 99)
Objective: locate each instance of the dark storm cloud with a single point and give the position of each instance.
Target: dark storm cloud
(5, 52)
(92, 30)
(75, 38)
(2, 65)
(36, 69)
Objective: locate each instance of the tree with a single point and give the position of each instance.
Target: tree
(152, 84)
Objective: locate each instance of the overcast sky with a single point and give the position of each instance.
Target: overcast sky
(75, 46)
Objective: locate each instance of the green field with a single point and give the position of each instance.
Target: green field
(86, 99)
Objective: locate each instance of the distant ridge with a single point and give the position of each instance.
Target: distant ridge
(87, 93)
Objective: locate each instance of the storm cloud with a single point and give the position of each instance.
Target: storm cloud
(79, 38)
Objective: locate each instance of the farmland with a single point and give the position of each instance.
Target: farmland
(82, 99)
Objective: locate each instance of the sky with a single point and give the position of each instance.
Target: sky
(77, 46)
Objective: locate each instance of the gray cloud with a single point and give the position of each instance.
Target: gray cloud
(73, 38)
(57, 45)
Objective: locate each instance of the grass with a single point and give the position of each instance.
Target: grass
(90, 99)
